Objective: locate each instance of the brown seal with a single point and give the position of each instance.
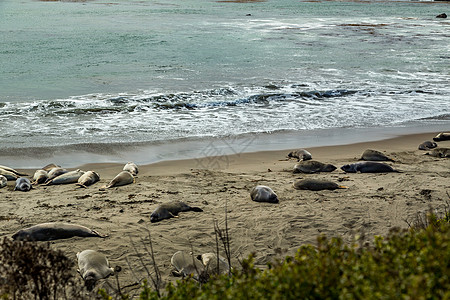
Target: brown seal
(316, 185)
(132, 168)
(313, 166)
(123, 178)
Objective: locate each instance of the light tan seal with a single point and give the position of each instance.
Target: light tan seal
(313, 166)
(443, 136)
(316, 185)
(374, 155)
(40, 176)
(54, 231)
(187, 265)
(300, 154)
(66, 178)
(92, 267)
(55, 172)
(214, 264)
(13, 171)
(132, 168)
(262, 193)
(170, 210)
(8, 174)
(3, 181)
(439, 152)
(88, 178)
(123, 178)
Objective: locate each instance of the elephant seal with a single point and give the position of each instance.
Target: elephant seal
(123, 178)
(23, 184)
(132, 168)
(88, 178)
(214, 264)
(316, 185)
(93, 266)
(50, 166)
(66, 178)
(54, 231)
(374, 155)
(3, 181)
(439, 152)
(443, 136)
(262, 193)
(13, 171)
(55, 172)
(312, 166)
(367, 167)
(171, 209)
(186, 265)
(40, 176)
(427, 145)
(8, 174)
(300, 154)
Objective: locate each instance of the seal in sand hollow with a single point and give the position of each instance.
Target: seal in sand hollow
(23, 184)
(427, 145)
(40, 176)
(93, 266)
(439, 152)
(317, 185)
(443, 136)
(66, 178)
(170, 210)
(3, 181)
(123, 178)
(88, 178)
(262, 193)
(13, 171)
(312, 166)
(186, 264)
(54, 231)
(214, 264)
(374, 155)
(132, 168)
(300, 154)
(367, 167)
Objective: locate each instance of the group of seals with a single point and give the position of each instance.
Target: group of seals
(436, 151)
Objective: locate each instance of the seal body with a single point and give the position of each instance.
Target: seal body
(8, 174)
(443, 136)
(427, 145)
(312, 166)
(49, 167)
(170, 210)
(367, 167)
(93, 266)
(88, 178)
(440, 152)
(40, 176)
(374, 155)
(66, 178)
(262, 193)
(53, 231)
(132, 168)
(186, 264)
(13, 171)
(214, 264)
(300, 154)
(3, 181)
(55, 172)
(316, 185)
(23, 184)
(123, 178)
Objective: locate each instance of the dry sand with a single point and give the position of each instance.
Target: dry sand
(372, 204)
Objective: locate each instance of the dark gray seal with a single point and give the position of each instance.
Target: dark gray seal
(443, 136)
(313, 166)
(427, 145)
(23, 184)
(439, 152)
(54, 231)
(262, 193)
(316, 185)
(170, 210)
(442, 16)
(367, 167)
(92, 267)
(300, 154)
(374, 155)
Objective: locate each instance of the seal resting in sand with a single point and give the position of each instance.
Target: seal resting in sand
(88, 178)
(55, 172)
(123, 178)
(3, 181)
(53, 231)
(443, 136)
(93, 266)
(316, 185)
(300, 154)
(439, 152)
(214, 264)
(367, 167)
(427, 145)
(40, 176)
(8, 174)
(12, 171)
(23, 184)
(262, 193)
(170, 210)
(374, 155)
(186, 264)
(313, 166)
(132, 168)
(66, 178)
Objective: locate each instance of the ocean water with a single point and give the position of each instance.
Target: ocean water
(124, 72)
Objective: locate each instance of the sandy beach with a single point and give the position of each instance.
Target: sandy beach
(372, 204)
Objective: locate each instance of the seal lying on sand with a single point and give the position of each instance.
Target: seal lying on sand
(23, 184)
(170, 210)
(368, 167)
(55, 172)
(374, 155)
(40, 176)
(214, 264)
(12, 171)
(300, 154)
(49, 167)
(312, 166)
(132, 168)
(93, 266)
(439, 152)
(66, 178)
(53, 231)
(427, 145)
(186, 264)
(123, 178)
(316, 185)
(8, 174)
(443, 136)
(3, 181)
(88, 178)
(262, 193)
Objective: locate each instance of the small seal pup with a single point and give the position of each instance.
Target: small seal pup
(214, 264)
(66, 178)
(262, 193)
(3, 181)
(23, 184)
(186, 264)
(443, 136)
(367, 167)
(300, 154)
(312, 166)
(93, 266)
(13, 171)
(374, 155)
(123, 178)
(170, 210)
(54, 231)
(427, 145)
(439, 152)
(40, 176)
(132, 168)
(88, 178)
(316, 185)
